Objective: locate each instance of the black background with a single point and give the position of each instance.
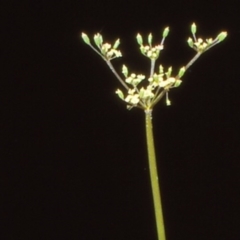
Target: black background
(73, 159)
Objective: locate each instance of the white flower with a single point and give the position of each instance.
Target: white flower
(167, 82)
(133, 99)
(146, 93)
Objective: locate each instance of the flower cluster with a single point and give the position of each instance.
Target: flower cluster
(145, 96)
(199, 45)
(158, 84)
(151, 52)
(148, 50)
(106, 50)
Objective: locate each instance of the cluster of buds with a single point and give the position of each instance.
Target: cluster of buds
(105, 49)
(199, 45)
(146, 96)
(148, 50)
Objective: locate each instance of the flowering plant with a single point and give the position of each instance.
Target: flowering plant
(145, 97)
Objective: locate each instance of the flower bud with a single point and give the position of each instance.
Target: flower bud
(116, 44)
(177, 83)
(165, 32)
(190, 42)
(181, 72)
(150, 39)
(222, 36)
(98, 39)
(86, 38)
(168, 102)
(193, 29)
(120, 94)
(139, 39)
(161, 70)
(125, 71)
(169, 72)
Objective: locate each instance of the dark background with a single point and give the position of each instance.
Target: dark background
(73, 159)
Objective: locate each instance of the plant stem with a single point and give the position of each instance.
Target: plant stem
(115, 73)
(193, 60)
(154, 176)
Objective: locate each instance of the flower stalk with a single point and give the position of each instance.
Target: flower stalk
(156, 193)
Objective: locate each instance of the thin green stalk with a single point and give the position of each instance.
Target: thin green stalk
(154, 176)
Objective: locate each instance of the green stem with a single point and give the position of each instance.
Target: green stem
(154, 176)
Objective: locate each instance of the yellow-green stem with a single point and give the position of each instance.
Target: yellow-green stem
(154, 176)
